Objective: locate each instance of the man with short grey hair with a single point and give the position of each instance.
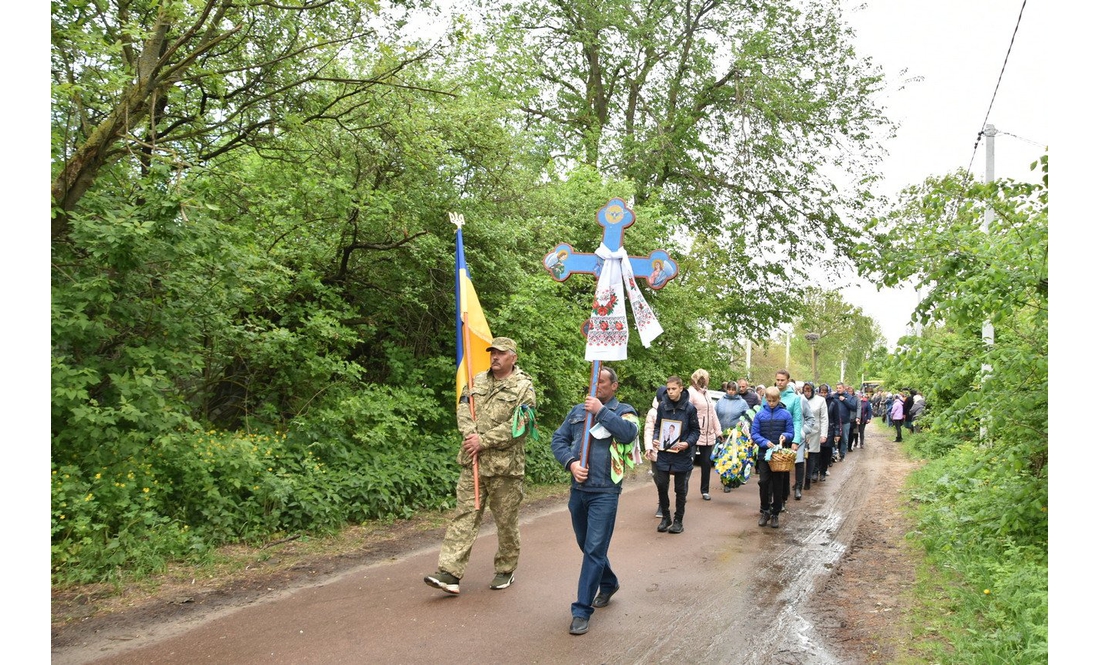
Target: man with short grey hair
(597, 484)
(750, 396)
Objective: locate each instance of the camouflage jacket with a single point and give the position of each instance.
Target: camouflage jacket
(495, 402)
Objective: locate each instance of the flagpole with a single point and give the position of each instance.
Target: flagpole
(462, 340)
(473, 412)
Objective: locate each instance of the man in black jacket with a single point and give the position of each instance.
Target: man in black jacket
(674, 432)
(907, 408)
(750, 396)
(832, 434)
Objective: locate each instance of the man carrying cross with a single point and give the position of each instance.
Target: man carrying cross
(599, 437)
(594, 495)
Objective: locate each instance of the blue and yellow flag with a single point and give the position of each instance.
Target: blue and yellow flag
(472, 337)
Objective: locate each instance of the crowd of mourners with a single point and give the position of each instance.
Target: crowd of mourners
(788, 435)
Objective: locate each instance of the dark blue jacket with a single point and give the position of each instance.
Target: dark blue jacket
(865, 410)
(769, 424)
(684, 412)
(569, 438)
(848, 405)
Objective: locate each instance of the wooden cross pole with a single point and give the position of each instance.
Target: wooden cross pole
(563, 261)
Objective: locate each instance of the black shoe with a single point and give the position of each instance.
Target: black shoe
(604, 597)
(665, 523)
(775, 521)
(763, 519)
(677, 527)
(579, 626)
(726, 490)
(798, 494)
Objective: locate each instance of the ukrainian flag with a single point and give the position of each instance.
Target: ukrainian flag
(472, 336)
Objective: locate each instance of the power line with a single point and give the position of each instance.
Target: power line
(1002, 132)
(997, 87)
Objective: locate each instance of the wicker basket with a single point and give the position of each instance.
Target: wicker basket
(782, 460)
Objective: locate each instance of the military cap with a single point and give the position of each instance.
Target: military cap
(503, 344)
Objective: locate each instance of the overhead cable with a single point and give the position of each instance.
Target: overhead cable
(981, 132)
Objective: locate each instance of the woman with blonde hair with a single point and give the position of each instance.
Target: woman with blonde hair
(709, 428)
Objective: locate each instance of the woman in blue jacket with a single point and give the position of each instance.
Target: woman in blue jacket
(772, 422)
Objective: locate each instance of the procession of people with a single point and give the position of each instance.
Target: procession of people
(794, 435)
(787, 434)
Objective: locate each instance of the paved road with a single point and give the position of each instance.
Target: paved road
(725, 590)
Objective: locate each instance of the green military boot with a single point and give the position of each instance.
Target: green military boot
(443, 580)
(503, 581)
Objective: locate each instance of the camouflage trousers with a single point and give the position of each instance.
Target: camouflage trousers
(503, 495)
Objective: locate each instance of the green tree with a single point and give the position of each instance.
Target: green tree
(180, 82)
(739, 118)
(844, 333)
(970, 274)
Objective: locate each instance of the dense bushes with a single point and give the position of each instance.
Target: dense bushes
(374, 455)
(983, 524)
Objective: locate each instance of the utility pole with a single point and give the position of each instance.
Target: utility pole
(987, 325)
(787, 359)
(812, 338)
(748, 359)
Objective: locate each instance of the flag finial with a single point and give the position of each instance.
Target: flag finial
(456, 219)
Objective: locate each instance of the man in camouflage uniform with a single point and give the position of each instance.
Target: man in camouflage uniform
(498, 394)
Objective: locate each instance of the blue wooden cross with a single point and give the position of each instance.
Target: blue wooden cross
(657, 270)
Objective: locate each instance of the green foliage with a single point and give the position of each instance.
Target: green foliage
(982, 499)
(987, 529)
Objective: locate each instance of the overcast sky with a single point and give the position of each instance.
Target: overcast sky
(958, 48)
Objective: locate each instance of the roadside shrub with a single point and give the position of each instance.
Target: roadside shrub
(982, 519)
(382, 453)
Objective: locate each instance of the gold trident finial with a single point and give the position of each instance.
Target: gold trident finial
(456, 219)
